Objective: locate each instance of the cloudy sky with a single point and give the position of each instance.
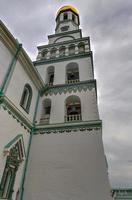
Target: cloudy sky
(109, 24)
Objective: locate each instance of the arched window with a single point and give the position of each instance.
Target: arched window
(15, 153)
(81, 47)
(72, 109)
(71, 49)
(26, 98)
(50, 75)
(72, 73)
(44, 53)
(62, 51)
(45, 114)
(53, 53)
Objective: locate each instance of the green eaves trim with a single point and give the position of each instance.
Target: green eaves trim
(61, 59)
(123, 197)
(13, 141)
(73, 87)
(68, 127)
(16, 114)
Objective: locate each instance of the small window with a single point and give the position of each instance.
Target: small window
(65, 16)
(26, 98)
(15, 155)
(73, 18)
(44, 53)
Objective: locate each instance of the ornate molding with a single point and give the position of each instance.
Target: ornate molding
(72, 87)
(15, 113)
(69, 127)
(61, 59)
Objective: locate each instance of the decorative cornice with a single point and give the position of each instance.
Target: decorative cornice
(12, 110)
(69, 32)
(68, 127)
(72, 87)
(64, 42)
(61, 59)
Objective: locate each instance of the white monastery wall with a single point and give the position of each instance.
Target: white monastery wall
(65, 166)
(85, 70)
(16, 86)
(9, 130)
(88, 106)
(5, 60)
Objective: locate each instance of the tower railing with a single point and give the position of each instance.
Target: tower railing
(70, 118)
(73, 81)
(45, 119)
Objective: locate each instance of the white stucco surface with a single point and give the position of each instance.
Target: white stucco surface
(16, 86)
(89, 109)
(67, 166)
(85, 70)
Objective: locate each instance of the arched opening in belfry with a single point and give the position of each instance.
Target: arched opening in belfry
(53, 53)
(62, 51)
(73, 109)
(50, 75)
(45, 112)
(81, 47)
(71, 49)
(72, 73)
(44, 53)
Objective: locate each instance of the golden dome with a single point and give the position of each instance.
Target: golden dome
(67, 7)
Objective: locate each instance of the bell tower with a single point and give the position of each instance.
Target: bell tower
(67, 158)
(67, 19)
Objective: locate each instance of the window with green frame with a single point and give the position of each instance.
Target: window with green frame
(15, 155)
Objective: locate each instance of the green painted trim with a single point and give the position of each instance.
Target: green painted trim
(72, 87)
(28, 150)
(68, 127)
(15, 114)
(10, 70)
(13, 141)
(63, 43)
(25, 166)
(66, 33)
(123, 197)
(61, 59)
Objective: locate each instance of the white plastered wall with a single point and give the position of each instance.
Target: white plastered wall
(5, 60)
(89, 107)
(85, 70)
(65, 166)
(15, 89)
(9, 129)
